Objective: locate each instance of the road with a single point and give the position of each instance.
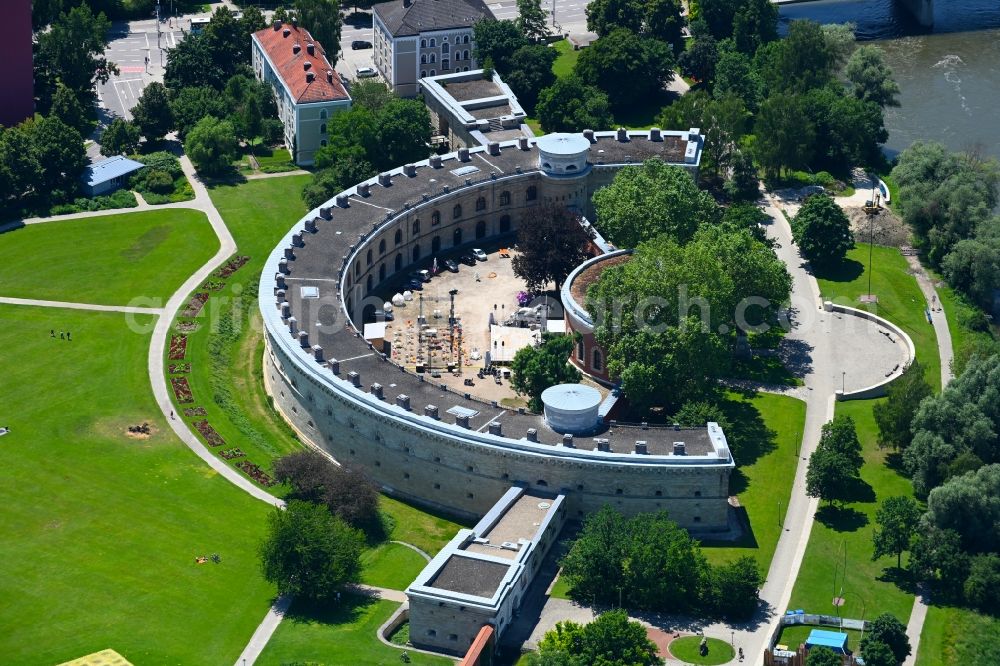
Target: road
(570, 15)
(131, 44)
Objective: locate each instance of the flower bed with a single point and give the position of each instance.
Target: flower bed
(229, 454)
(178, 347)
(179, 368)
(255, 473)
(209, 433)
(181, 389)
(195, 305)
(232, 266)
(187, 326)
(213, 285)
(194, 411)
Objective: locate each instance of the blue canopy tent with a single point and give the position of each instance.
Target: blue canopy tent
(834, 640)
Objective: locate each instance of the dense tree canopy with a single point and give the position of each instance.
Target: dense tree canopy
(212, 146)
(535, 369)
(152, 113)
(660, 19)
(498, 41)
(723, 121)
(888, 630)
(67, 108)
(822, 231)
(530, 73)
(322, 19)
(569, 105)
(191, 104)
(345, 490)
(651, 199)
(897, 519)
(120, 138)
(610, 640)
(71, 51)
(871, 77)
(310, 553)
(629, 68)
(970, 505)
(836, 463)
(550, 247)
(532, 20)
(894, 415)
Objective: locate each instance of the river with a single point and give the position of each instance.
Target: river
(949, 77)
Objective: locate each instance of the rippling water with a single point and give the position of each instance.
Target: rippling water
(950, 78)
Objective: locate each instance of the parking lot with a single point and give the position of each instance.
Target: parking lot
(131, 44)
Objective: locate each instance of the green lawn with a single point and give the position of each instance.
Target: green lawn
(687, 649)
(101, 530)
(226, 351)
(955, 636)
(391, 565)
(899, 296)
(427, 531)
(344, 634)
(868, 587)
(957, 310)
(108, 260)
(564, 64)
(763, 479)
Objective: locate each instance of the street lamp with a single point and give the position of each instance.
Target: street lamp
(843, 381)
(732, 639)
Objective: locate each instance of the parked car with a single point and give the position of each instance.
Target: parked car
(413, 284)
(420, 276)
(359, 44)
(479, 254)
(468, 260)
(366, 73)
(451, 265)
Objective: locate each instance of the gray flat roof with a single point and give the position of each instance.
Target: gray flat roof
(470, 575)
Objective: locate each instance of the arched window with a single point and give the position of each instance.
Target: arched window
(445, 48)
(423, 58)
(445, 63)
(436, 244)
(423, 43)
(597, 364)
(505, 198)
(505, 224)
(322, 128)
(531, 194)
(369, 258)
(433, 59)
(456, 237)
(357, 268)
(541, 482)
(456, 212)
(381, 272)
(416, 252)
(465, 54)
(579, 349)
(465, 40)
(433, 42)
(399, 261)
(435, 218)
(480, 229)
(322, 115)
(369, 283)
(416, 227)
(423, 73)
(399, 236)
(481, 203)
(323, 142)
(381, 247)
(434, 72)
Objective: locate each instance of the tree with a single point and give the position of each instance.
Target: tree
(877, 653)
(605, 16)
(650, 199)
(973, 268)
(742, 184)
(897, 519)
(870, 76)
(189, 65)
(889, 631)
(19, 167)
(308, 552)
(630, 69)
(322, 19)
(537, 368)
(982, 587)
(530, 72)
(345, 490)
(120, 138)
(404, 132)
(968, 505)
(152, 114)
(191, 104)
(840, 41)
(569, 105)
(593, 564)
(785, 134)
(211, 144)
(72, 52)
(755, 24)
(336, 178)
(749, 217)
(800, 62)
(250, 102)
(734, 75)
(532, 20)
(698, 62)
(61, 155)
(841, 435)
(937, 558)
(823, 656)
(736, 587)
(498, 41)
(371, 94)
(894, 415)
(848, 131)
(822, 231)
(550, 247)
(610, 640)
(226, 41)
(664, 20)
(67, 108)
(828, 475)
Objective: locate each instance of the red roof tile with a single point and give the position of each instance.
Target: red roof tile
(279, 46)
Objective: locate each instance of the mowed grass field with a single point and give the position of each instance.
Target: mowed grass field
(899, 298)
(958, 636)
(337, 634)
(843, 536)
(101, 530)
(108, 260)
(391, 565)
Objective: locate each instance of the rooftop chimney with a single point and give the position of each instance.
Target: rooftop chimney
(407, 3)
(286, 32)
(295, 22)
(296, 47)
(310, 77)
(307, 65)
(277, 24)
(329, 76)
(311, 48)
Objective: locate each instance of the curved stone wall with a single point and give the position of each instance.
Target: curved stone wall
(876, 390)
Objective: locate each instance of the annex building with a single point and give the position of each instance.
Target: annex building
(420, 38)
(306, 88)
(443, 447)
(468, 110)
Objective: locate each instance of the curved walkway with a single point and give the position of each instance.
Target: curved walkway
(413, 548)
(80, 306)
(157, 375)
(938, 319)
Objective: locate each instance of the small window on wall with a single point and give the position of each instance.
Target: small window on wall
(423, 73)
(399, 236)
(323, 143)
(432, 632)
(481, 203)
(415, 227)
(423, 43)
(381, 246)
(531, 194)
(505, 198)
(579, 350)
(322, 116)
(597, 360)
(435, 218)
(423, 59)
(322, 128)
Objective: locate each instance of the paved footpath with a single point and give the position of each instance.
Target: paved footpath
(79, 306)
(938, 319)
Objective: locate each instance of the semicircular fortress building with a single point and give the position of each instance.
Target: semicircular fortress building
(432, 444)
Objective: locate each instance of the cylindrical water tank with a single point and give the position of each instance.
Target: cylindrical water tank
(571, 408)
